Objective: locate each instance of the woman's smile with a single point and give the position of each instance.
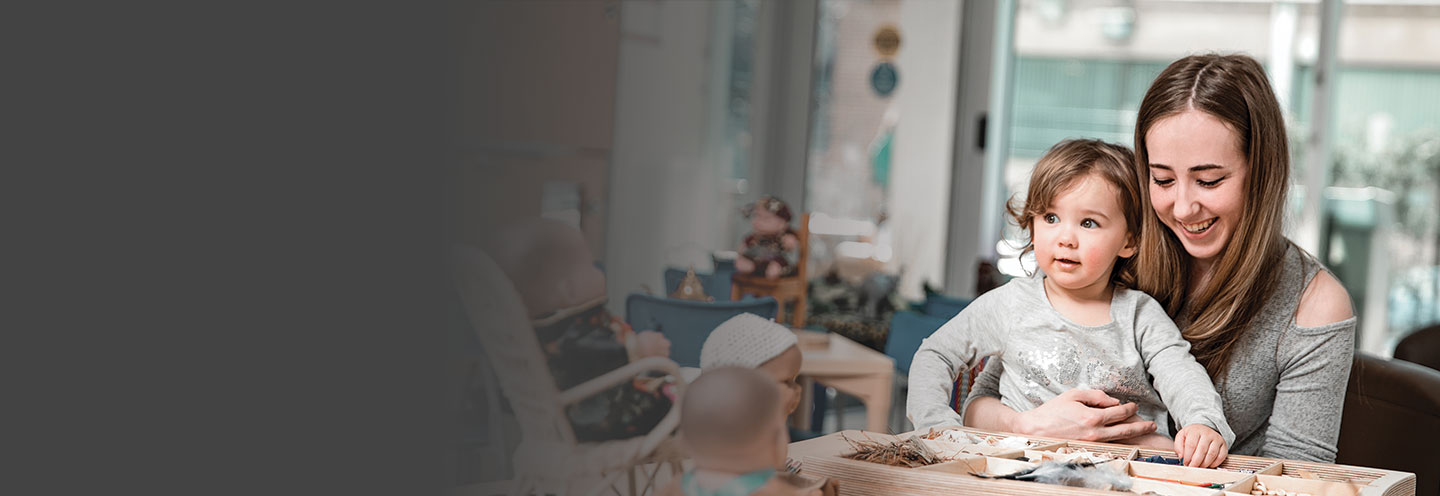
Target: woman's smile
(1199, 228)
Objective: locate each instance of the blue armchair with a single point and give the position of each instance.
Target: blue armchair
(907, 331)
(937, 305)
(687, 323)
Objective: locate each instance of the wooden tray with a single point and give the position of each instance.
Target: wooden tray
(824, 457)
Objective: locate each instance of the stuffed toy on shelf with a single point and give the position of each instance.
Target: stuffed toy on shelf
(772, 247)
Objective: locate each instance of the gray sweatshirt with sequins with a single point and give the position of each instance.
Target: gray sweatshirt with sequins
(1139, 356)
(1285, 387)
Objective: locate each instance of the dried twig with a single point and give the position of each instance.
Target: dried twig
(908, 453)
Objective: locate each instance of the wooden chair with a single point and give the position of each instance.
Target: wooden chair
(794, 288)
(549, 459)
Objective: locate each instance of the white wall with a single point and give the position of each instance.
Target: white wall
(968, 180)
(919, 196)
(665, 200)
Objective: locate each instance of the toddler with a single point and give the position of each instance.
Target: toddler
(1074, 324)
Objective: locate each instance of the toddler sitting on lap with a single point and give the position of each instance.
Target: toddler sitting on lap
(1075, 323)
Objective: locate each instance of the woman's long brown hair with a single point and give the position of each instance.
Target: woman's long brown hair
(1234, 89)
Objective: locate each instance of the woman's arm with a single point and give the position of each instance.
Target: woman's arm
(1082, 414)
(989, 413)
(1314, 362)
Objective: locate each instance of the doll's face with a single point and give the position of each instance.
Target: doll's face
(765, 221)
(785, 369)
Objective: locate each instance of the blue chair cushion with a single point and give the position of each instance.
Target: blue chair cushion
(907, 331)
(688, 323)
(936, 305)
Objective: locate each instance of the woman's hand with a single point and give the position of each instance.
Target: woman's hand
(1081, 414)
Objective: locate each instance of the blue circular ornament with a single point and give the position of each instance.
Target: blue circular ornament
(884, 79)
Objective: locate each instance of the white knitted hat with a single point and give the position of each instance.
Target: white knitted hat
(746, 340)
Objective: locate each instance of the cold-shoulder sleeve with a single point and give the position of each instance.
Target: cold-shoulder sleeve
(1314, 365)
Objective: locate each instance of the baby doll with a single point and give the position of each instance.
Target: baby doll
(731, 421)
(550, 265)
(754, 342)
(770, 247)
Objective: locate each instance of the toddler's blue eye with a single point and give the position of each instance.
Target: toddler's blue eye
(1089, 223)
(1051, 218)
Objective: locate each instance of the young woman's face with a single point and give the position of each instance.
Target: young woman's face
(1197, 180)
(1078, 238)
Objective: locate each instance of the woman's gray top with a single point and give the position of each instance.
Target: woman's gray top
(1285, 386)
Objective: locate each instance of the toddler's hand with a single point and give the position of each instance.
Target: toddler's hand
(1200, 446)
(651, 344)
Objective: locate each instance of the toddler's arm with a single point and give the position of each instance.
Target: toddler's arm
(958, 345)
(1182, 382)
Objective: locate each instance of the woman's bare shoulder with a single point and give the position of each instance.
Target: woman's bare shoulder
(1324, 301)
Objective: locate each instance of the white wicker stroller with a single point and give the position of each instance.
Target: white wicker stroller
(549, 459)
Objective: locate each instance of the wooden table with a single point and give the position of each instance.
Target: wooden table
(850, 368)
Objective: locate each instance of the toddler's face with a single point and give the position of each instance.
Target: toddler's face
(1079, 237)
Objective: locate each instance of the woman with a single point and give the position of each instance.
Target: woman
(1273, 328)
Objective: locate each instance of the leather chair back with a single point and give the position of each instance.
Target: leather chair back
(1422, 347)
(1392, 419)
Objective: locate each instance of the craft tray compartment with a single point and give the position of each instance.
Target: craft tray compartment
(1143, 486)
(1187, 476)
(1264, 466)
(1313, 487)
(1116, 452)
(949, 449)
(1034, 443)
(979, 465)
(1038, 456)
(1237, 463)
(865, 479)
(1334, 473)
